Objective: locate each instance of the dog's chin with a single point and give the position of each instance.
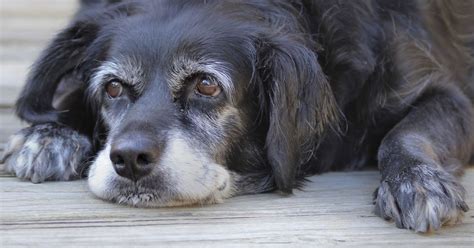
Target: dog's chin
(137, 196)
(185, 185)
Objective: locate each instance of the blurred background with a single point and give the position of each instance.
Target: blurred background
(26, 26)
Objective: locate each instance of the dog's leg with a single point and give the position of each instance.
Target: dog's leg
(47, 152)
(420, 160)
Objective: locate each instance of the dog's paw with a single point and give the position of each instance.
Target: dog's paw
(46, 152)
(421, 198)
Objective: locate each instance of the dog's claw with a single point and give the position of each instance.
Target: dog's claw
(422, 199)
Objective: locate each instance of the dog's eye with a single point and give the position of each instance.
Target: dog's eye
(207, 87)
(114, 89)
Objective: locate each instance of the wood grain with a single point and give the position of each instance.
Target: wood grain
(334, 209)
(25, 28)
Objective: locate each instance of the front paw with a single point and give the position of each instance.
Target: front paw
(47, 152)
(422, 198)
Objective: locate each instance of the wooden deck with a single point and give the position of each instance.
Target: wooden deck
(334, 210)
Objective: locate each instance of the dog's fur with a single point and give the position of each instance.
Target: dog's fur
(308, 86)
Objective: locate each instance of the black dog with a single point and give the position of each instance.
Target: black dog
(190, 102)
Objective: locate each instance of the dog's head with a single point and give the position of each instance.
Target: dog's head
(199, 101)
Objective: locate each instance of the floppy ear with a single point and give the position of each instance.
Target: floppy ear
(64, 56)
(69, 60)
(301, 105)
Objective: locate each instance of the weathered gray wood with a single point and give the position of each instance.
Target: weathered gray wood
(26, 26)
(34, 8)
(335, 209)
(9, 124)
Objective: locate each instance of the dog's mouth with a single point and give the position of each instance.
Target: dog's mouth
(145, 199)
(141, 193)
(177, 182)
(140, 198)
(137, 195)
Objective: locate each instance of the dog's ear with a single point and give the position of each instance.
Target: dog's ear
(69, 59)
(65, 56)
(300, 105)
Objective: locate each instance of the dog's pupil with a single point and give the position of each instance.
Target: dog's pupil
(114, 89)
(208, 87)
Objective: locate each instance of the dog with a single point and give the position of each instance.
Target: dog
(174, 102)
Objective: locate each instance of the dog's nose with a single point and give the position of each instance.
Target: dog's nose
(134, 158)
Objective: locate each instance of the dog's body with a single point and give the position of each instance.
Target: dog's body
(185, 102)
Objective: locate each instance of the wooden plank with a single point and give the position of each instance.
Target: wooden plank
(334, 209)
(35, 8)
(12, 79)
(9, 124)
(32, 22)
(26, 26)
